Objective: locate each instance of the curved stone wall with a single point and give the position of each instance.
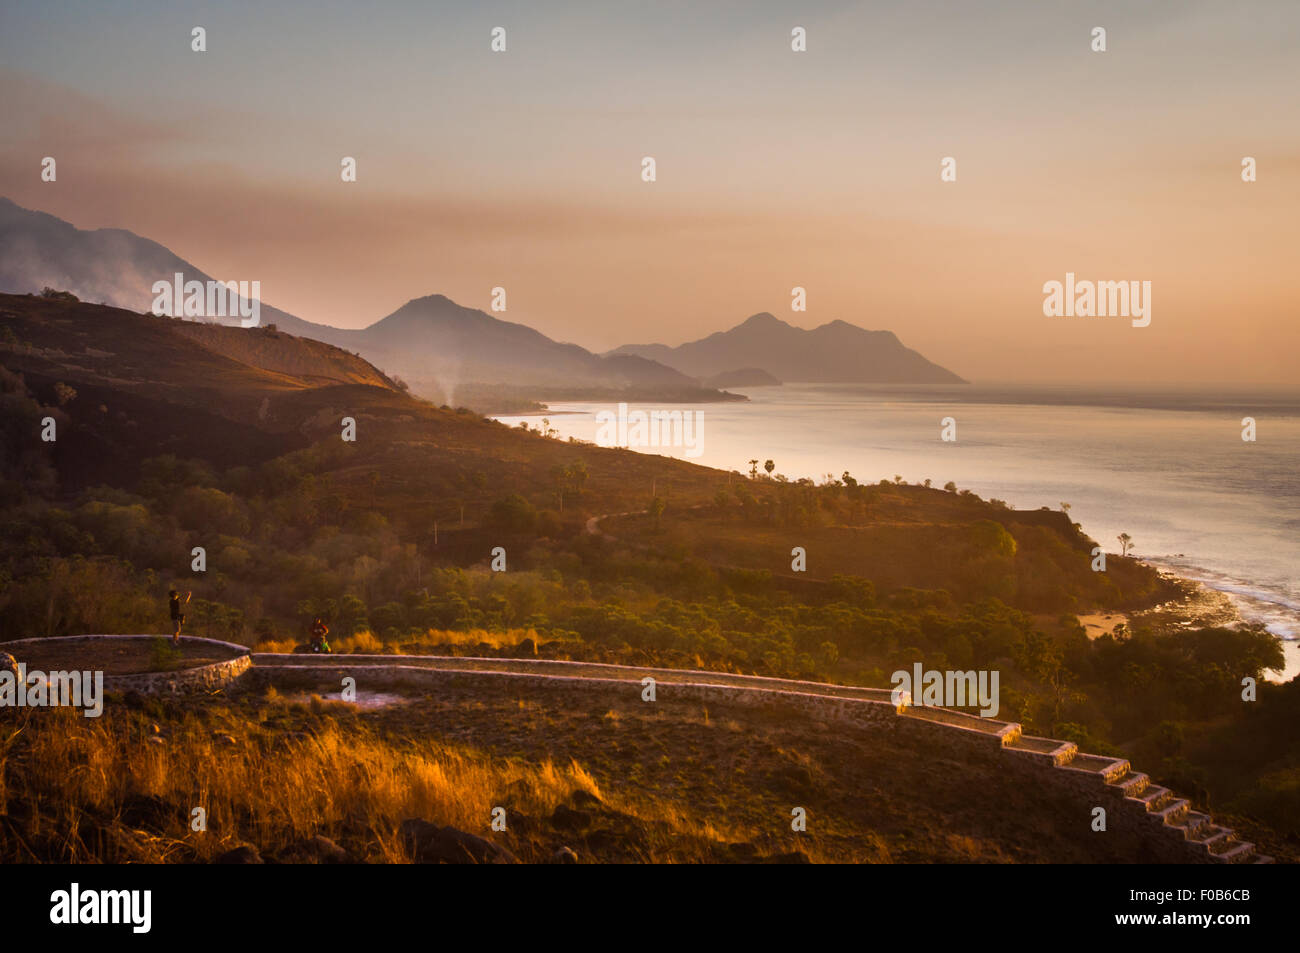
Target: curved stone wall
(211, 677)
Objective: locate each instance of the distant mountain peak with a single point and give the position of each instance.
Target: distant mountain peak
(430, 299)
(835, 352)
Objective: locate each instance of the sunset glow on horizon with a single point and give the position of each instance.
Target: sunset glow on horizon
(774, 169)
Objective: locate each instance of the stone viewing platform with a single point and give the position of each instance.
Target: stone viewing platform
(149, 664)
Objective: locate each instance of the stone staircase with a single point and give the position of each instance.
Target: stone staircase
(1152, 814)
(1137, 796)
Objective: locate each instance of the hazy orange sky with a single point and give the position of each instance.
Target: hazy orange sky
(775, 168)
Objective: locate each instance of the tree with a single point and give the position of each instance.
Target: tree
(560, 475)
(753, 469)
(950, 487)
(657, 510)
(769, 466)
(578, 476)
(1065, 507)
(1125, 543)
(351, 616)
(722, 500)
(513, 513)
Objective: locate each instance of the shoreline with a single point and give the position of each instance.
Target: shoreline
(1201, 606)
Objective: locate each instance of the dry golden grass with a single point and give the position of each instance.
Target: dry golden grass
(273, 772)
(72, 777)
(367, 643)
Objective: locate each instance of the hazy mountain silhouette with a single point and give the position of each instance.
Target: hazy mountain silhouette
(437, 341)
(103, 265)
(427, 339)
(837, 352)
(436, 338)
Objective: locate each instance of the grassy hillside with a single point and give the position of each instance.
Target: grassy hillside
(309, 361)
(172, 437)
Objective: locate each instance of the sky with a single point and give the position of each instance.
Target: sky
(775, 169)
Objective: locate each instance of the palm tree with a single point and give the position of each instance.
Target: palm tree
(769, 466)
(753, 469)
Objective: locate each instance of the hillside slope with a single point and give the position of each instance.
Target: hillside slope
(309, 361)
(147, 386)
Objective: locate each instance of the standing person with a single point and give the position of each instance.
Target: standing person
(178, 619)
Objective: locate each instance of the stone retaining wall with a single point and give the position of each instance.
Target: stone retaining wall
(1088, 780)
(223, 674)
(1160, 824)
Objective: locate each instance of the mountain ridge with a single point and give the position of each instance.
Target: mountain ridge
(433, 343)
(835, 352)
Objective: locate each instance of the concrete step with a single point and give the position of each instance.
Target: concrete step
(1155, 797)
(1173, 810)
(1133, 784)
(1190, 823)
(1105, 768)
(1239, 853)
(1047, 751)
(1213, 837)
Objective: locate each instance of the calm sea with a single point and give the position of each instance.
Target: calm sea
(1169, 468)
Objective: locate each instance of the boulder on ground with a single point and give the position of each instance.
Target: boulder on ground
(315, 850)
(243, 854)
(567, 819)
(430, 844)
(793, 857)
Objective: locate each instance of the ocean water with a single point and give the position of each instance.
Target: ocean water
(1169, 468)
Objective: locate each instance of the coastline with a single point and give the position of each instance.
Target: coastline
(1197, 606)
(1200, 606)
